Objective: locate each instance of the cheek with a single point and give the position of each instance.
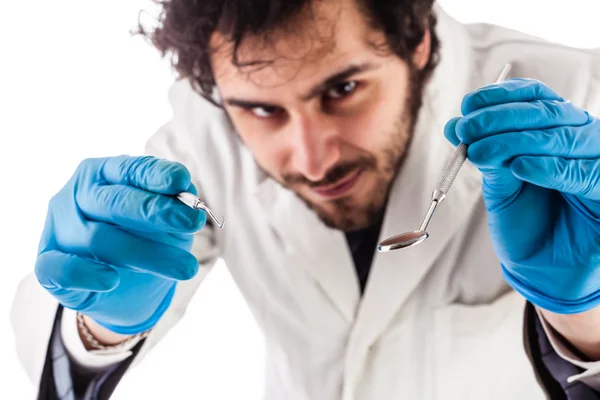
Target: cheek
(268, 152)
(371, 130)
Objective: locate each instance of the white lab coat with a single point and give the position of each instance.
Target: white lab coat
(436, 321)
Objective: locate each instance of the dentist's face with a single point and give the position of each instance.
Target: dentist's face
(331, 117)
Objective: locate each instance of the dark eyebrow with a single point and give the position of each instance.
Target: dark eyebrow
(248, 104)
(333, 80)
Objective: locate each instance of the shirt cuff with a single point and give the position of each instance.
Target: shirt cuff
(591, 374)
(92, 360)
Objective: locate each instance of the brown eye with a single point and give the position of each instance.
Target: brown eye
(264, 112)
(342, 90)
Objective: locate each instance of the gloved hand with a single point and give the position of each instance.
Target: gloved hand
(540, 160)
(116, 241)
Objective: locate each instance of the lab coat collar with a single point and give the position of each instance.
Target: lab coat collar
(324, 252)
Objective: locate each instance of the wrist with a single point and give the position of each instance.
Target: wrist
(581, 330)
(96, 337)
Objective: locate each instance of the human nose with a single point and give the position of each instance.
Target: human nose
(315, 147)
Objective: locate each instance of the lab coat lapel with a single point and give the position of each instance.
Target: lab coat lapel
(395, 275)
(309, 244)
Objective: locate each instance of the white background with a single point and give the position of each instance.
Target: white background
(74, 84)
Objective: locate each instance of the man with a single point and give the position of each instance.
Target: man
(316, 129)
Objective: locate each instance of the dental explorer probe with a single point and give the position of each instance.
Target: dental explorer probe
(194, 202)
(450, 172)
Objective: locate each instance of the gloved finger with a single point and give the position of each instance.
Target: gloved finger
(177, 238)
(146, 172)
(565, 141)
(499, 187)
(510, 91)
(138, 209)
(513, 117)
(121, 249)
(192, 189)
(450, 131)
(580, 177)
(499, 184)
(57, 270)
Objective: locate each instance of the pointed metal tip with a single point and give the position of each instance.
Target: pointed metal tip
(194, 202)
(214, 218)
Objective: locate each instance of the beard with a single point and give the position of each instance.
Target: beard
(349, 214)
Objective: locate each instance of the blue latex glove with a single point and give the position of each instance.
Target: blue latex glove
(116, 241)
(540, 160)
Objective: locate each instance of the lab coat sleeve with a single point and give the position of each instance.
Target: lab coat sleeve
(34, 310)
(587, 372)
(557, 376)
(62, 379)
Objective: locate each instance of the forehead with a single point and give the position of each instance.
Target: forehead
(326, 38)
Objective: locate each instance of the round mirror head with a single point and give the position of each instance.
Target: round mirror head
(403, 240)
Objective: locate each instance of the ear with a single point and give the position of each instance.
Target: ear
(423, 50)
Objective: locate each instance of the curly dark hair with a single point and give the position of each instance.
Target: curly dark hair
(186, 27)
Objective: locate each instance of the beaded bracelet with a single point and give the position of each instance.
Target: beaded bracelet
(128, 343)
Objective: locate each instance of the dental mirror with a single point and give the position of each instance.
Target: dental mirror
(403, 240)
(451, 169)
